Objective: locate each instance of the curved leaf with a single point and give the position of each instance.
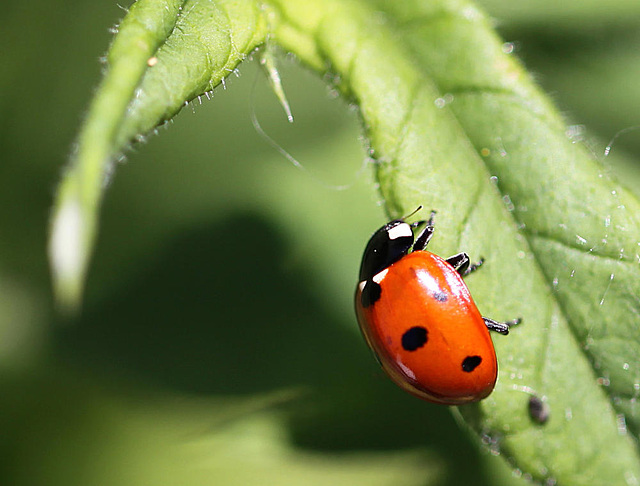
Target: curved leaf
(166, 54)
(457, 125)
(581, 225)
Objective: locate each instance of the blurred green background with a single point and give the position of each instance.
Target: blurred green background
(217, 343)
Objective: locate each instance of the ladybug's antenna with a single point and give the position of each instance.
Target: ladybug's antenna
(419, 208)
(415, 224)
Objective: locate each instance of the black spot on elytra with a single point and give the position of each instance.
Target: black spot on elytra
(414, 338)
(370, 293)
(440, 296)
(470, 363)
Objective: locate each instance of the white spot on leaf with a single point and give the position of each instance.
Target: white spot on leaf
(508, 47)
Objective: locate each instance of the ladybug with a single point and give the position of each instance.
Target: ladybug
(418, 317)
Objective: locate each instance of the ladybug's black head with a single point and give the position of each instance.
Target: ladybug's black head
(386, 246)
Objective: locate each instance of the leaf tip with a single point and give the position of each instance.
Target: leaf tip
(67, 256)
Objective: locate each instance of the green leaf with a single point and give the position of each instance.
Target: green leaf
(581, 225)
(166, 54)
(456, 124)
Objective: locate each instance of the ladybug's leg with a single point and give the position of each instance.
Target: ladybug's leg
(463, 265)
(473, 267)
(500, 327)
(425, 235)
(460, 262)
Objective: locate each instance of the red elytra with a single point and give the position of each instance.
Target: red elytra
(418, 317)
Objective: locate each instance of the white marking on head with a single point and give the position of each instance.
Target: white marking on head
(399, 231)
(379, 277)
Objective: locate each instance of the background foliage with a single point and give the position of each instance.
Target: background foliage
(258, 375)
